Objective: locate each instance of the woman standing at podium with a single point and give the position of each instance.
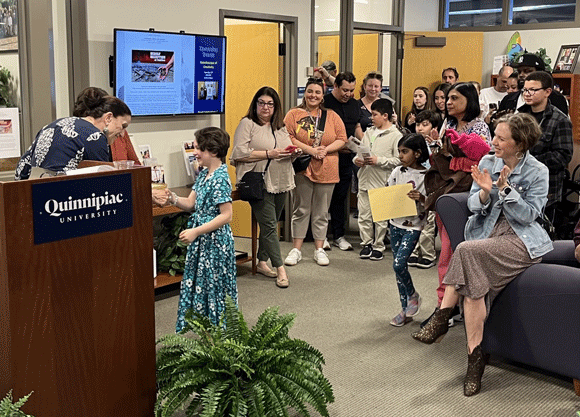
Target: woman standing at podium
(64, 143)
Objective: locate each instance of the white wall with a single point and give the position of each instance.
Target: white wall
(421, 15)
(165, 135)
(495, 43)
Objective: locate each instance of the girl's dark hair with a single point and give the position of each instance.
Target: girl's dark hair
(416, 143)
(277, 120)
(373, 75)
(214, 140)
(312, 80)
(469, 91)
(95, 102)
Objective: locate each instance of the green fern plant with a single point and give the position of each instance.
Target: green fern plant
(171, 252)
(540, 53)
(9, 409)
(6, 87)
(231, 370)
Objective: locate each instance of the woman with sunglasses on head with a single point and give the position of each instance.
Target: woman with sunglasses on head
(320, 133)
(370, 91)
(262, 144)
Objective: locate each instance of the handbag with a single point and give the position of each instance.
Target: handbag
(547, 225)
(251, 186)
(301, 163)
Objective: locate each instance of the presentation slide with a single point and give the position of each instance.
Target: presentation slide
(159, 73)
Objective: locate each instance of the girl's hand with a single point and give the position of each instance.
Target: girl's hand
(411, 119)
(371, 160)
(188, 236)
(415, 195)
(483, 179)
(359, 162)
(161, 197)
(502, 181)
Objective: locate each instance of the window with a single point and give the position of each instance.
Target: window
(493, 13)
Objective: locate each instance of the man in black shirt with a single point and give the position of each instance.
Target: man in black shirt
(526, 64)
(341, 100)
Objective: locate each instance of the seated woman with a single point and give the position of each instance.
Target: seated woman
(64, 143)
(503, 238)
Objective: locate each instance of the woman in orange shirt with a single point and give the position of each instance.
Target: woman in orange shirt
(320, 133)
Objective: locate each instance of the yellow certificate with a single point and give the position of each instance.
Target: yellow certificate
(392, 202)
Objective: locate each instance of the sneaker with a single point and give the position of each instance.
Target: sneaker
(326, 245)
(366, 251)
(400, 319)
(342, 243)
(414, 305)
(413, 261)
(320, 257)
(376, 255)
(293, 257)
(424, 263)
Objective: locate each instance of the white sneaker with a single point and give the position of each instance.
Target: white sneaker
(342, 243)
(293, 257)
(326, 245)
(320, 257)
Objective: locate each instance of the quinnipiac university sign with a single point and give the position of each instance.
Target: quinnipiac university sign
(80, 207)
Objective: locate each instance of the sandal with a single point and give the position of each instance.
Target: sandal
(282, 282)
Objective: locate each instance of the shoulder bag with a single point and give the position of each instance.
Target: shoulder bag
(251, 186)
(301, 163)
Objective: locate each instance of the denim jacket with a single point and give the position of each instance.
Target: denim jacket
(521, 207)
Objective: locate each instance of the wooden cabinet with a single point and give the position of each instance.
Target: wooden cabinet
(163, 278)
(570, 88)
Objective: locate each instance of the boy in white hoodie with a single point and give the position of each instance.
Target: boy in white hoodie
(377, 157)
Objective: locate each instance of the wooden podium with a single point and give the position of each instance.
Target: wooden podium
(77, 314)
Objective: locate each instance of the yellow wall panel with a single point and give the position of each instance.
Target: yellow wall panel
(329, 49)
(423, 66)
(365, 57)
(252, 62)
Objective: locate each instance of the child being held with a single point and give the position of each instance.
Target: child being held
(376, 157)
(424, 256)
(405, 231)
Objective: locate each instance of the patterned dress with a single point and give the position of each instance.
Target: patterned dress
(61, 145)
(210, 265)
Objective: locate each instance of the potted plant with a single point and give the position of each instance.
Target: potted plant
(541, 53)
(9, 409)
(171, 252)
(230, 370)
(6, 88)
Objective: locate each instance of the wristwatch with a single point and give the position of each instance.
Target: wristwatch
(506, 190)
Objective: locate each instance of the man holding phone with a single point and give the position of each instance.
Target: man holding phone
(489, 98)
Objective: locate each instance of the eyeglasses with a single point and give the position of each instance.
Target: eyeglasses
(269, 104)
(531, 91)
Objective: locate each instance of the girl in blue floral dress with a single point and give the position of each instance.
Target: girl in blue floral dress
(210, 265)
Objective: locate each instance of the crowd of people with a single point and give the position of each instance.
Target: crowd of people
(9, 21)
(508, 149)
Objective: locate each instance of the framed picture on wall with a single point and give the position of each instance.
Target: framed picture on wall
(567, 58)
(8, 25)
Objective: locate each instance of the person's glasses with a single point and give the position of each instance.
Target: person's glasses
(268, 104)
(531, 91)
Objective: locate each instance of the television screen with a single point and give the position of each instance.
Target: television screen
(164, 73)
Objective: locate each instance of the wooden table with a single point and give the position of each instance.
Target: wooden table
(164, 278)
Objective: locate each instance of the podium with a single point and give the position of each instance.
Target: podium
(76, 296)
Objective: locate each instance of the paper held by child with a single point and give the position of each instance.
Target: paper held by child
(392, 202)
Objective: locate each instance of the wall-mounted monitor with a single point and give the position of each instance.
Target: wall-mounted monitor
(166, 73)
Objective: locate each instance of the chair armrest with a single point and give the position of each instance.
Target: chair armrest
(562, 254)
(453, 211)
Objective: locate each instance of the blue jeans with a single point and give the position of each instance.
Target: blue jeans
(403, 242)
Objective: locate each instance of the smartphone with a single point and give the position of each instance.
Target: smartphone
(291, 148)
